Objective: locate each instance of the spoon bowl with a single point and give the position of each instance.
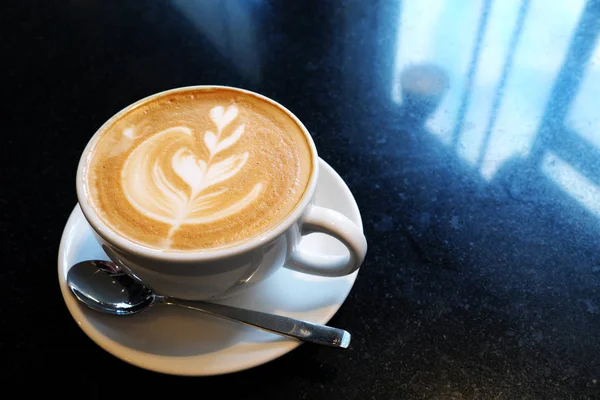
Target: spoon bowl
(103, 286)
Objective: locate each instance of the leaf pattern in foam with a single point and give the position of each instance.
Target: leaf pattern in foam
(222, 170)
(142, 180)
(222, 118)
(230, 141)
(191, 170)
(149, 189)
(210, 140)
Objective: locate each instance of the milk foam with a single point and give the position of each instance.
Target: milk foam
(150, 192)
(202, 181)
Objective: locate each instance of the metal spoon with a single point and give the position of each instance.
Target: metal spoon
(103, 286)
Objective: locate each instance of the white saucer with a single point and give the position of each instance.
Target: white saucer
(177, 341)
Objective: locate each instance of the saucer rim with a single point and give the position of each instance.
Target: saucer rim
(152, 362)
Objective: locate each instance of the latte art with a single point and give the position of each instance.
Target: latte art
(199, 170)
(147, 188)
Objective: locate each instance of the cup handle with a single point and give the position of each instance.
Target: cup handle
(324, 220)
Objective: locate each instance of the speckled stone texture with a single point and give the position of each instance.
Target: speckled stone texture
(467, 131)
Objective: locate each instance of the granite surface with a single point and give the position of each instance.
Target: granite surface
(467, 131)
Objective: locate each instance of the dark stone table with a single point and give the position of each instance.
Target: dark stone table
(468, 132)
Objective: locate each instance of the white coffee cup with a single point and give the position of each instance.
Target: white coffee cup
(222, 272)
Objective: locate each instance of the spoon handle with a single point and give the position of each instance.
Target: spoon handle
(289, 327)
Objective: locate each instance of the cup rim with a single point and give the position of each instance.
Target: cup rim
(121, 242)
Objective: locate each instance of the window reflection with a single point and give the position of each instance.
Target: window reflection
(491, 111)
(232, 29)
(572, 181)
(583, 116)
(438, 33)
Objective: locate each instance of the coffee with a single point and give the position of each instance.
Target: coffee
(198, 169)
